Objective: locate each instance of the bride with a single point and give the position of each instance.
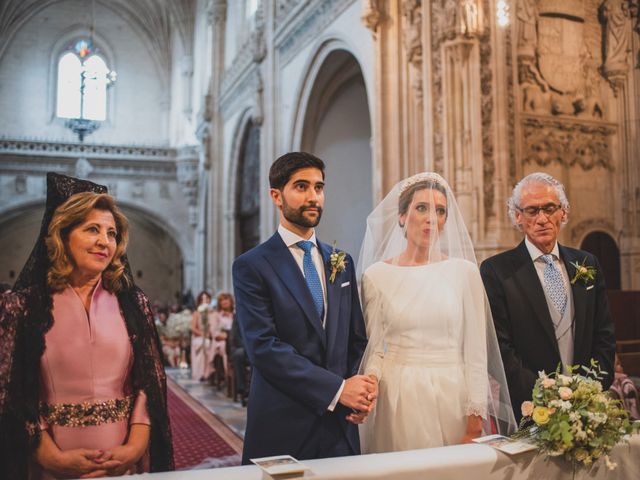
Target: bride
(432, 345)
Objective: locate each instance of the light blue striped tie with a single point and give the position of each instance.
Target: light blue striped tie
(311, 276)
(554, 285)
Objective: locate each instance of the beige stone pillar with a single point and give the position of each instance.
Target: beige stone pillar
(463, 128)
(619, 45)
(398, 127)
(214, 221)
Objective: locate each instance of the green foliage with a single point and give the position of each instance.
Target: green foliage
(570, 416)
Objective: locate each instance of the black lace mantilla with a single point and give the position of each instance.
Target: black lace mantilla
(59, 189)
(25, 317)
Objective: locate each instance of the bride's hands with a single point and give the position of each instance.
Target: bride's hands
(358, 417)
(474, 428)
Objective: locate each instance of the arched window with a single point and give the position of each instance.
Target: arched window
(83, 78)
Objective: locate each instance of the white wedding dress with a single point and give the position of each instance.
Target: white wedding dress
(427, 346)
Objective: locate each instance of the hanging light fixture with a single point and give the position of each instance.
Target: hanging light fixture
(84, 48)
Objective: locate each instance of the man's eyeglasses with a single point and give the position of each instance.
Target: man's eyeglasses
(533, 212)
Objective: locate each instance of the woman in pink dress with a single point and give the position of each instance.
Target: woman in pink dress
(221, 322)
(82, 388)
(201, 357)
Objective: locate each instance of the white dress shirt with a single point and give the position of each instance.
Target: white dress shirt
(291, 239)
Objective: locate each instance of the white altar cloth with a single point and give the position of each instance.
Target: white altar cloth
(459, 462)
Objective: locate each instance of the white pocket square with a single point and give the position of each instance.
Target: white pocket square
(590, 287)
(345, 284)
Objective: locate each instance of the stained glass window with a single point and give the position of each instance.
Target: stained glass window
(83, 77)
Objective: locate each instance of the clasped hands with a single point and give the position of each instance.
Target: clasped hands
(87, 463)
(359, 394)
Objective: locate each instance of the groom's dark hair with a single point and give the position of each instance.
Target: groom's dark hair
(285, 166)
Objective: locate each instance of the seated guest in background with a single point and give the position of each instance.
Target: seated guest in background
(168, 338)
(220, 326)
(626, 391)
(201, 357)
(546, 311)
(179, 323)
(85, 394)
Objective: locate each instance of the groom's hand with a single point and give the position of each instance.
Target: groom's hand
(359, 393)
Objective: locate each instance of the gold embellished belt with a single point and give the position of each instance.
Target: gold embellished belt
(87, 414)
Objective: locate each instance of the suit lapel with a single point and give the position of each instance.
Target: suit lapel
(529, 283)
(579, 298)
(285, 266)
(333, 296)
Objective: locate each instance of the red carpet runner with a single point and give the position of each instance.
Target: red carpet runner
(197, 433)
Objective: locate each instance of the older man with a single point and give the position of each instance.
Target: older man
(545, 311)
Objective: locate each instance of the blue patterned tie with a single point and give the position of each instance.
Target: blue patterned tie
(554, 285)
(311, 276)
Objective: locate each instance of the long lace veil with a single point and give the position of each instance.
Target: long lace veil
(423, 209)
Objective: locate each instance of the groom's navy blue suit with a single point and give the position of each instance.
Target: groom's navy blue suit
(298, 366)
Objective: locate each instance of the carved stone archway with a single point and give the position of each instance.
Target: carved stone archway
(337, 128)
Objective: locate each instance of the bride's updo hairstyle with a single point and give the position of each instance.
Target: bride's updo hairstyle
(413, 185)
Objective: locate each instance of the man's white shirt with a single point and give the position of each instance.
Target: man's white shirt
(291, 239)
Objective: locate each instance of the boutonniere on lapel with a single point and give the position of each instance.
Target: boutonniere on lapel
(337, 263)
(583, 272)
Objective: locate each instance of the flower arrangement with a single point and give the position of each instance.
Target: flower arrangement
(584, 272)
(203, 310)
(570, 416)
(179, 325)
(337, 263)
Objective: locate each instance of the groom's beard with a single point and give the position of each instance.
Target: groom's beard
(296, 215)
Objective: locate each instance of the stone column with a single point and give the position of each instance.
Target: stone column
(498, 229)
(187, 160)
(618, 40)
(186, 69)
(213, 251)
(462, 120)
(396, 26)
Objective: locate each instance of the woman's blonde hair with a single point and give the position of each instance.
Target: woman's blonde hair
(222, 296)
(69, 215)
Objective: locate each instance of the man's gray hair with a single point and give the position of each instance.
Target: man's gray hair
(541, 178)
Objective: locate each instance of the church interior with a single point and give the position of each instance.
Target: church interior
(180, 107)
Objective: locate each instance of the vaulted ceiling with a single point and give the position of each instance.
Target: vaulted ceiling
(153, 20)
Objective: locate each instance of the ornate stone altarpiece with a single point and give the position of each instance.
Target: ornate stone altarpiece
(562, 83)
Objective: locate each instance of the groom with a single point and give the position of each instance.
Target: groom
(303, 329)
